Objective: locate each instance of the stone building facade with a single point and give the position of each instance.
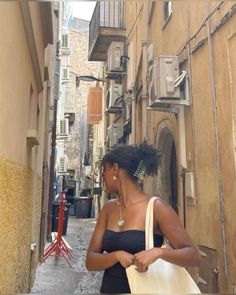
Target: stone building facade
(194, 129)
(79, 146)
(197, 140)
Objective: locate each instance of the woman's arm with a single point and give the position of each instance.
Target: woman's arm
(95, 260)
(184, 252)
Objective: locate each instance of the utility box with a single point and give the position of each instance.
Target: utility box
(162, 76)
(189, 185)
(115, 132)
(114, 57)
(113, 93)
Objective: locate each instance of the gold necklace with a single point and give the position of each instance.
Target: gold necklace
(121, 221)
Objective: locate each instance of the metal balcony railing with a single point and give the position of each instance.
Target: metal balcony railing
(107, 14)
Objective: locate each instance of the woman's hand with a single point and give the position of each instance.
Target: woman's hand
(143, 259)
(124, 258)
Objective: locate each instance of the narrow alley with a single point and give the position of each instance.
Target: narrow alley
(83, 81)
(57, 277)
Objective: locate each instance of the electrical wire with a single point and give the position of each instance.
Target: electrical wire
(202, 25)
(180, 79)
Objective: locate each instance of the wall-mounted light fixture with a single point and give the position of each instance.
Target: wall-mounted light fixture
(89, 78)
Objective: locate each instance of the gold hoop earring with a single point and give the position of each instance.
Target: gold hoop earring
(114, 178)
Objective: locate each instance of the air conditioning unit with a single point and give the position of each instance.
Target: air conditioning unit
(65, 74)
(99, 153)
(64, 48)
(64, 41)
(112, 98)
(115, 132)
(114, 57)
(87, 170)
(165, 83)
(63, 163)
(64, 128)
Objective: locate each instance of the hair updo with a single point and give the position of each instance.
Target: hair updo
(137, 160)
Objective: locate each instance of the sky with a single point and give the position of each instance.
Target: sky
(83, 9)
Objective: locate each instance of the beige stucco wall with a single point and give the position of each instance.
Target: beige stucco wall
(20, 163)
(15, 82)
(209, 124)
(212, 175)
(226, 55)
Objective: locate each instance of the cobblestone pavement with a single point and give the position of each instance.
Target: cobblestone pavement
(57, 277)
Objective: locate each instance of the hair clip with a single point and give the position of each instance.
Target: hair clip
(140, 171)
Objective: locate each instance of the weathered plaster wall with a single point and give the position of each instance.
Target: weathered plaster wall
(15, 228)
(22, 107)
(209, 122)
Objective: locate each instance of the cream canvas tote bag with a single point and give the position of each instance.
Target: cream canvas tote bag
(162, 276)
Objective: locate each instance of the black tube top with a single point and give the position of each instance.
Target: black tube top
(132, 241)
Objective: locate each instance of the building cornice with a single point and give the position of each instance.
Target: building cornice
(47, 23)
(28, 26)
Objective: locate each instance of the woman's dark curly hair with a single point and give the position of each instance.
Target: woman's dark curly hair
(137, 160)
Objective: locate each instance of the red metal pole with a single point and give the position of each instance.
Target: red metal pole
(60, 221)
(58, 246)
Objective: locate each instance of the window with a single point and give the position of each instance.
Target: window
(151, 7)
(167, 10)
(77, 81)
(65, 74)
(65, 42)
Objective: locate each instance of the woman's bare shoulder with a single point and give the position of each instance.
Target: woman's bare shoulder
(163, 208)
(106, 210)
(108, 205)
(161, 204)
(159, 201)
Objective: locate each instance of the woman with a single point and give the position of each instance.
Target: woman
(119, 236)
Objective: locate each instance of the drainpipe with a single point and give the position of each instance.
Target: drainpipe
(218, 151)
(54, 126)
(52, 171)
(182, 137)
(194, 140)
(145, 44)
(133, 119)
(45, 182)
(184, 197)
(182, 154)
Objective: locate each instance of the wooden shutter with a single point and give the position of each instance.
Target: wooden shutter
(94, 105)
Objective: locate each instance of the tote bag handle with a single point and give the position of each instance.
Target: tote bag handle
(149, 243)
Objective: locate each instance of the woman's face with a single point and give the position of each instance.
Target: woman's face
(108, 173)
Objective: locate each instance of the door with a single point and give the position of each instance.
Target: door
(174, 179)
(208, 272)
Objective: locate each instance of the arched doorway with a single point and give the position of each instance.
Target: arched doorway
(167, 182)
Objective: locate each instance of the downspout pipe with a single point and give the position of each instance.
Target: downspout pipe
(133, 118)
(52, 173)
(218, 150)
(145, 44)
(53, 140)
